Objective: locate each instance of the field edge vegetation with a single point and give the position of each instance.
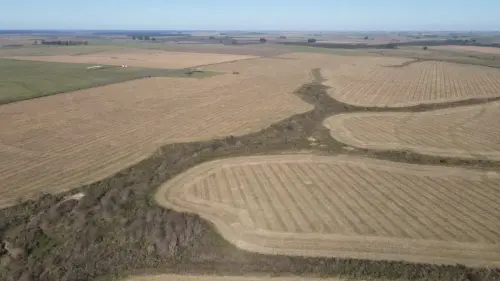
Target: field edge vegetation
(118, 223)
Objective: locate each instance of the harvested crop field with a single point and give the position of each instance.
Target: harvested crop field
(141, 58)
(478, 49)
(411, 83)
(254, 50)
(345, 206)
(59, 142)
(465, 132)
(173, 277)
(302, 62)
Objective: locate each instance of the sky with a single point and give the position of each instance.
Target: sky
(251, 14)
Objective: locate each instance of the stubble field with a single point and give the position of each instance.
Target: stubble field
(62, 141)
(465, 132)
(345, 207)
(299, 208)
(486, 50)
(140, 58)
(411, 84)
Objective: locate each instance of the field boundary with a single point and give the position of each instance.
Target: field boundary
(344, 135)
(122, 225)
(145, 73)
(174, 195)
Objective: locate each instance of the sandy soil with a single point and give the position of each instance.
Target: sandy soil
(345, 207)
(369, 84)
(465, 132)
(486, 50)
(172, 277)
(62, 141)
(141, 58)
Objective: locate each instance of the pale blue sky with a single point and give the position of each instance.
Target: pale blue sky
(252, 14)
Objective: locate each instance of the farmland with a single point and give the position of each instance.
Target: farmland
(255, 167)
(486, 50)
(411, 84)
(288, 205)
(140, 58)
(22, 80)
(465, 132)
(108, 128)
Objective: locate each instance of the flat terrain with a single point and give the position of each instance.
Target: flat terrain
(345, 207)
(141, 58)
(172, 277)
(62, 141)
(465, 132)
(368, 84)
(302, 62)
(20, 80)
(487, 50)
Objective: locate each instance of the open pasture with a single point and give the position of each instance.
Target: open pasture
(367, 84)
(465, 132)
(21, 80)
(141, 58)
(345, 207)
(59, 142)
(175, 277)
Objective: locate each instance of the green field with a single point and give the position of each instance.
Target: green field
(21, 80)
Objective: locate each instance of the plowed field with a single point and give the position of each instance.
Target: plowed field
(416, 83)
(172, 277)
(59, 142)
(346, 207)
(465, 132)
(141, 58)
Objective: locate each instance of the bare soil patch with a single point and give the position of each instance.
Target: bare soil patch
(465, 132)
(141, 58)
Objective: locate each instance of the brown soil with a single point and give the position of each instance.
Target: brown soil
(117, 230)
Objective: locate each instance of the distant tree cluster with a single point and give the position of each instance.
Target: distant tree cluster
(63, 42)
(262, 40)
(311, 40)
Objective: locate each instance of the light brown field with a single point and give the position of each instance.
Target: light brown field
(173, 277)
(303, 62)
(345, 207)
(487, 50)
(141, 58)
(465, 132)
(418, 83)
(59, 142)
